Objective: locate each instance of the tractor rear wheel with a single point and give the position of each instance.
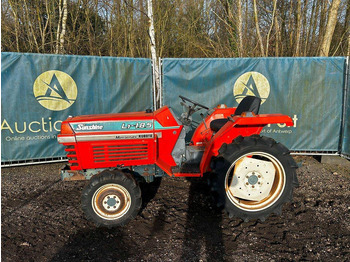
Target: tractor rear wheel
(112, 198)
(253, 177)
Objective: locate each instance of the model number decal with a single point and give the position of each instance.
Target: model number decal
(134, 136)
(137, 125)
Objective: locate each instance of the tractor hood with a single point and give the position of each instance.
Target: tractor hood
(107, 117)
(111, 122)
(163, 118)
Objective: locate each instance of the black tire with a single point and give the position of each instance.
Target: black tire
(254, 149)
(112, 198)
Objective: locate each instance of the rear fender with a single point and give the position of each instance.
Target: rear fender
(239, 126)
(263, 119)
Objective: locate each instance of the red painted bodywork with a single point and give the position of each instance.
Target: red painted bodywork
(157, 149)
(240, 126)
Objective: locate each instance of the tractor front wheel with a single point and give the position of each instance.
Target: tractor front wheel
(112, 198)
(253, 177)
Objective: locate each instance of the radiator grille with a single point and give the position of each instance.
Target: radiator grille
(71, 155)
(116, 153)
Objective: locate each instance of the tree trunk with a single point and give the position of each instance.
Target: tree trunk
(348, 53)
(16, 24)
(313, 32)
(89, 28)
(347, 26)
(231, 28)
(268, 34)
(58, 27)
(258, 30)
(332, 20)
(278, 36)
(304, 33)
(64, 24)
(239, 28)
(323, 22)
(52, 40)
(297, 43)
(30, 27)
(43, 33)
(291, 30)
(153, 52)
(309, 29)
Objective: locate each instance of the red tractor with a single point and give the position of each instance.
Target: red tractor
(252, 175)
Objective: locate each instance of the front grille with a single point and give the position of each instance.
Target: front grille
(71, 155)
(116, 153)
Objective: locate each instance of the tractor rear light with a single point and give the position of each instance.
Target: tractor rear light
(222, 106)
(66, 129)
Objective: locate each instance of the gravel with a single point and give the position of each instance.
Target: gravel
(42, 221)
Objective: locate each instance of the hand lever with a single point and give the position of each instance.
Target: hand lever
(204, 120)
(230, 118)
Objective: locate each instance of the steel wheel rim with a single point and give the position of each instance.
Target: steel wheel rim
(111, 201)
(276, 190)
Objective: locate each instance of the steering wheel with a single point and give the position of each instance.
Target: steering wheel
(186, 118)
(184, 99)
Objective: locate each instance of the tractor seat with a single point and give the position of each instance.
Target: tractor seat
(248, 104)
(217, 124)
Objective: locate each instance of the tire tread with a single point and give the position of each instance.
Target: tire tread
(232, 152)
(111, 176)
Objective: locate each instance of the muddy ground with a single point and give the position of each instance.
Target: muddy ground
(42, 221)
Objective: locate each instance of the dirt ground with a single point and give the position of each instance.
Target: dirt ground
(42, 221)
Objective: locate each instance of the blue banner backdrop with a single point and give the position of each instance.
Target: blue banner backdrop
(39, 91)
(310, 90)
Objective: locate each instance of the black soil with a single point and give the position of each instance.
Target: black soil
(42, 221)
